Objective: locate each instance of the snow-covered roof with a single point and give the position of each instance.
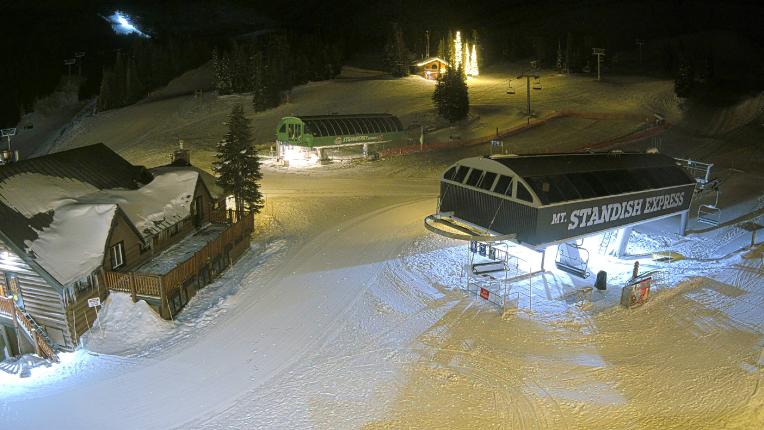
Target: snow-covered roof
(72, 246)
(56, 211)
(157, 205)
(430, 60)
(215, 190)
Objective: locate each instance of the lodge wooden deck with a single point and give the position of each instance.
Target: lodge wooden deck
(161, 289)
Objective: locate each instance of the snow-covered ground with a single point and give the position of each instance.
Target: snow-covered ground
(346, 313)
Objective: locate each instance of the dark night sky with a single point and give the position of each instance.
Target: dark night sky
(38, 35)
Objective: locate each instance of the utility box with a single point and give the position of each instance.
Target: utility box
(636, 293)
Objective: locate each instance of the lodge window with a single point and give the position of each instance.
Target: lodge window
(434, 66)
(503, 185)
(523, 193)
(118, 255)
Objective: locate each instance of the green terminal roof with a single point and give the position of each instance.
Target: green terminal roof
(339, 125)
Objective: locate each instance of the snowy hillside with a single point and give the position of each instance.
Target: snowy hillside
(347, 313)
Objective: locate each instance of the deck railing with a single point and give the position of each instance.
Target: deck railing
(33, 330)
(240, 226)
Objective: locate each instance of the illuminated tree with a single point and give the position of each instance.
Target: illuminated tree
(238, 165)
(458, 53)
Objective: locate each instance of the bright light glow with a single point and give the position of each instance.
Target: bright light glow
(458, 54)
(298, 156)
(474, 71)
(121, 24)
(467, 60)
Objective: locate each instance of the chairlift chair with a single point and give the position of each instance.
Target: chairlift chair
(537, 84)
(510, 89)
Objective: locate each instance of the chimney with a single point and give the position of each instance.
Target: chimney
(181, 157)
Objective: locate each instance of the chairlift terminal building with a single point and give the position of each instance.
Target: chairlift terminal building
(539, 200)
(312, 134)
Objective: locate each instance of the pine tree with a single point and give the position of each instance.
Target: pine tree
(106, 93)
(451, 97)
(134, 88)
(259, 98)
(224, 78)
(396, 54)
(120, 79)
(238, 165)
(450, 48)
(683, 82)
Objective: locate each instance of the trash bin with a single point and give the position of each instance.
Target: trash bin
(601, 282)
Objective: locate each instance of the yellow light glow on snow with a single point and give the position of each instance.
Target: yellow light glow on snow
(298, 156)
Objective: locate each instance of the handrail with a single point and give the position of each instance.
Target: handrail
(34, 331)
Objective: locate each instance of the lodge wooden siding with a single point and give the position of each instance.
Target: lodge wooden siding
(164, 240)
(40, 299)
(121, 231)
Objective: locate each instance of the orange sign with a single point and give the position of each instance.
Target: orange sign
(484, 293)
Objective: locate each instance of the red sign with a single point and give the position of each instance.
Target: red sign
(484, 293)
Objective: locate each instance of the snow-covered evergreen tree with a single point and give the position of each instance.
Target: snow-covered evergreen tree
(223, 78)
(451, 97)
(238, 165)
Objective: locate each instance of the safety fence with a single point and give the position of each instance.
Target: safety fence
(653, 130)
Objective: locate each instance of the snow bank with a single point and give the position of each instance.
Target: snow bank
(124, 327)
(72, 247)
(49, 193)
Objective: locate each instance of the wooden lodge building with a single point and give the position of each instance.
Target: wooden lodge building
(431, 68)
(77, 224)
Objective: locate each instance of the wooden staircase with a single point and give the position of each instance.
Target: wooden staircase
(44, 346)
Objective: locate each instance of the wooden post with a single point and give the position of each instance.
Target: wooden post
(131, 280)
(163, 303)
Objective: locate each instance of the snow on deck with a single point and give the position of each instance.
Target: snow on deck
(182, 251)
(72, 247)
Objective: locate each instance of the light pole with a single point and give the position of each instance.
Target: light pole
(7, 133)
(78, 56)
(599, 52)
(68, 63)
(640, 42)
(528, 77)
(427, 47)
